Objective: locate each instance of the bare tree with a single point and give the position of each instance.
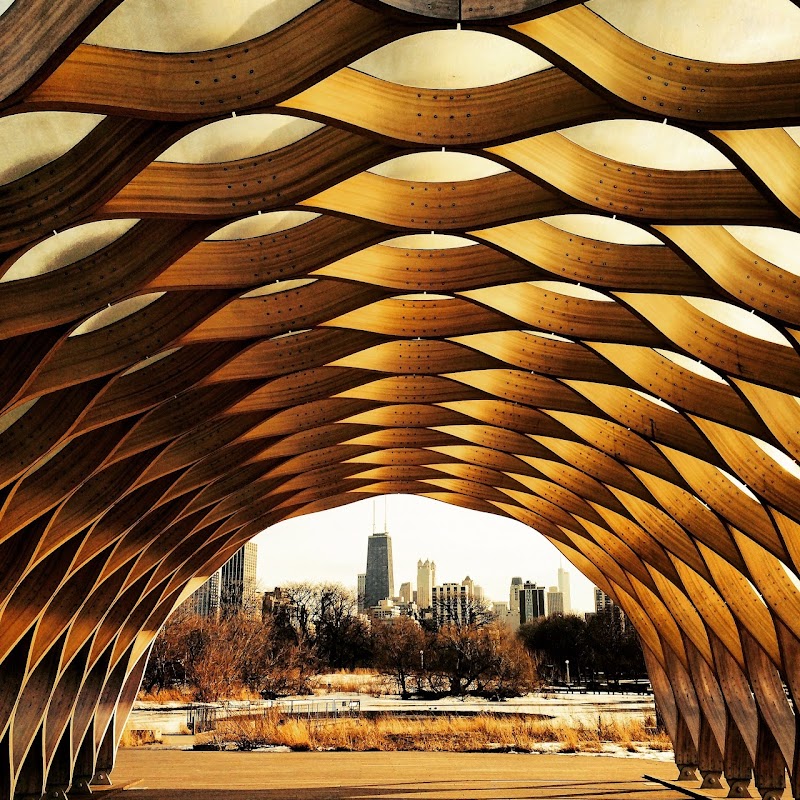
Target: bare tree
(302, 601)
(487, 659)
(398, 645)
(323, 616)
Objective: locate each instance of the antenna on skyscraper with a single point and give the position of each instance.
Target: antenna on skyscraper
(385, 514)
(373, 515)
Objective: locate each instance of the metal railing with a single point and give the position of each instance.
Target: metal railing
(201, 717)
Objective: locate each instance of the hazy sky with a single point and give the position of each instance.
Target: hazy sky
(332, 546)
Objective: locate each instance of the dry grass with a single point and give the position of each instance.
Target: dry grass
(190, 695)
(168, 695)
(139, 737)
(485, 732)
(358, 681)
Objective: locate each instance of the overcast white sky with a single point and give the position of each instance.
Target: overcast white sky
(332, 546)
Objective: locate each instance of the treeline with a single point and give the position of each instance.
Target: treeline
(603, 647)
(316, 630)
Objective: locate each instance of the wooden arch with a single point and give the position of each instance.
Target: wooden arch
(607, 353)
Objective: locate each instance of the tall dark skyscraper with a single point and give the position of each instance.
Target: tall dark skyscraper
(531, 604)
(380, 571)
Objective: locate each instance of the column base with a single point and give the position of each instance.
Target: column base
(739, 788)
(101, 779)
(81, 786)
(711, 779)
(771, 794)
(688, 772)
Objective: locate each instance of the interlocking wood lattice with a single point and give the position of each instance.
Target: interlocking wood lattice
(167, 392)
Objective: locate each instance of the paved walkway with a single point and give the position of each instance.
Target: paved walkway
(187, 775)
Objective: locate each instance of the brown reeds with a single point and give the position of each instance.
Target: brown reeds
(358, 681)
(480, 733)
(139, 737)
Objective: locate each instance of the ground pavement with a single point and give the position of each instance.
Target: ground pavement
(189, 775)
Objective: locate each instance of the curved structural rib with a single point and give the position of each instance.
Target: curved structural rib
(207, 327)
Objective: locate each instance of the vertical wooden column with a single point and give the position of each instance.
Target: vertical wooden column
(126, 699)
(105, 756)
(27, 735)
(30, 776)
(741, 720)
(59, 769)
(790, 649)
(6, 784)
(83, 716)
(104, 740)
(58, 724)
(83, 770)
(770, 766)
(712, 718)
(662, 692)
(688, 717)
(776, 721)
(738, 761)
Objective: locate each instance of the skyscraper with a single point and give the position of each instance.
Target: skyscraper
(555, 601)
(205, 601)
(603, 604)
(379, 583)
(238, 580)
(362, 585)
(563, 587)
(602, 601)
(457, 604)
(426, 580)
(514, 602)
(231, 588)
(531, 602)
(405, 592)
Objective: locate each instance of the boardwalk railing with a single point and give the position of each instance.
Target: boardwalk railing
(202, 717)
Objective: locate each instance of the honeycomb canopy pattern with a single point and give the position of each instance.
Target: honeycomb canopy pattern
(537, 258)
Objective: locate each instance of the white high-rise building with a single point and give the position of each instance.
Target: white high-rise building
(563, 587)
(426, 580)
(602, 601)
(555, 601)
(457, 604)
(475, 592)
(500, 610)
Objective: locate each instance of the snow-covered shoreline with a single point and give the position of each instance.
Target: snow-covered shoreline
(169, 716)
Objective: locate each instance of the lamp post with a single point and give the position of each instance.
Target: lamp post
(567, 663)
(422, 661)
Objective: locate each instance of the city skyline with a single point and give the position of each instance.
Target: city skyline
(331, 546)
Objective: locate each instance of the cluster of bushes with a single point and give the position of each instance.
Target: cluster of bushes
(214, 659)
(487, 659)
